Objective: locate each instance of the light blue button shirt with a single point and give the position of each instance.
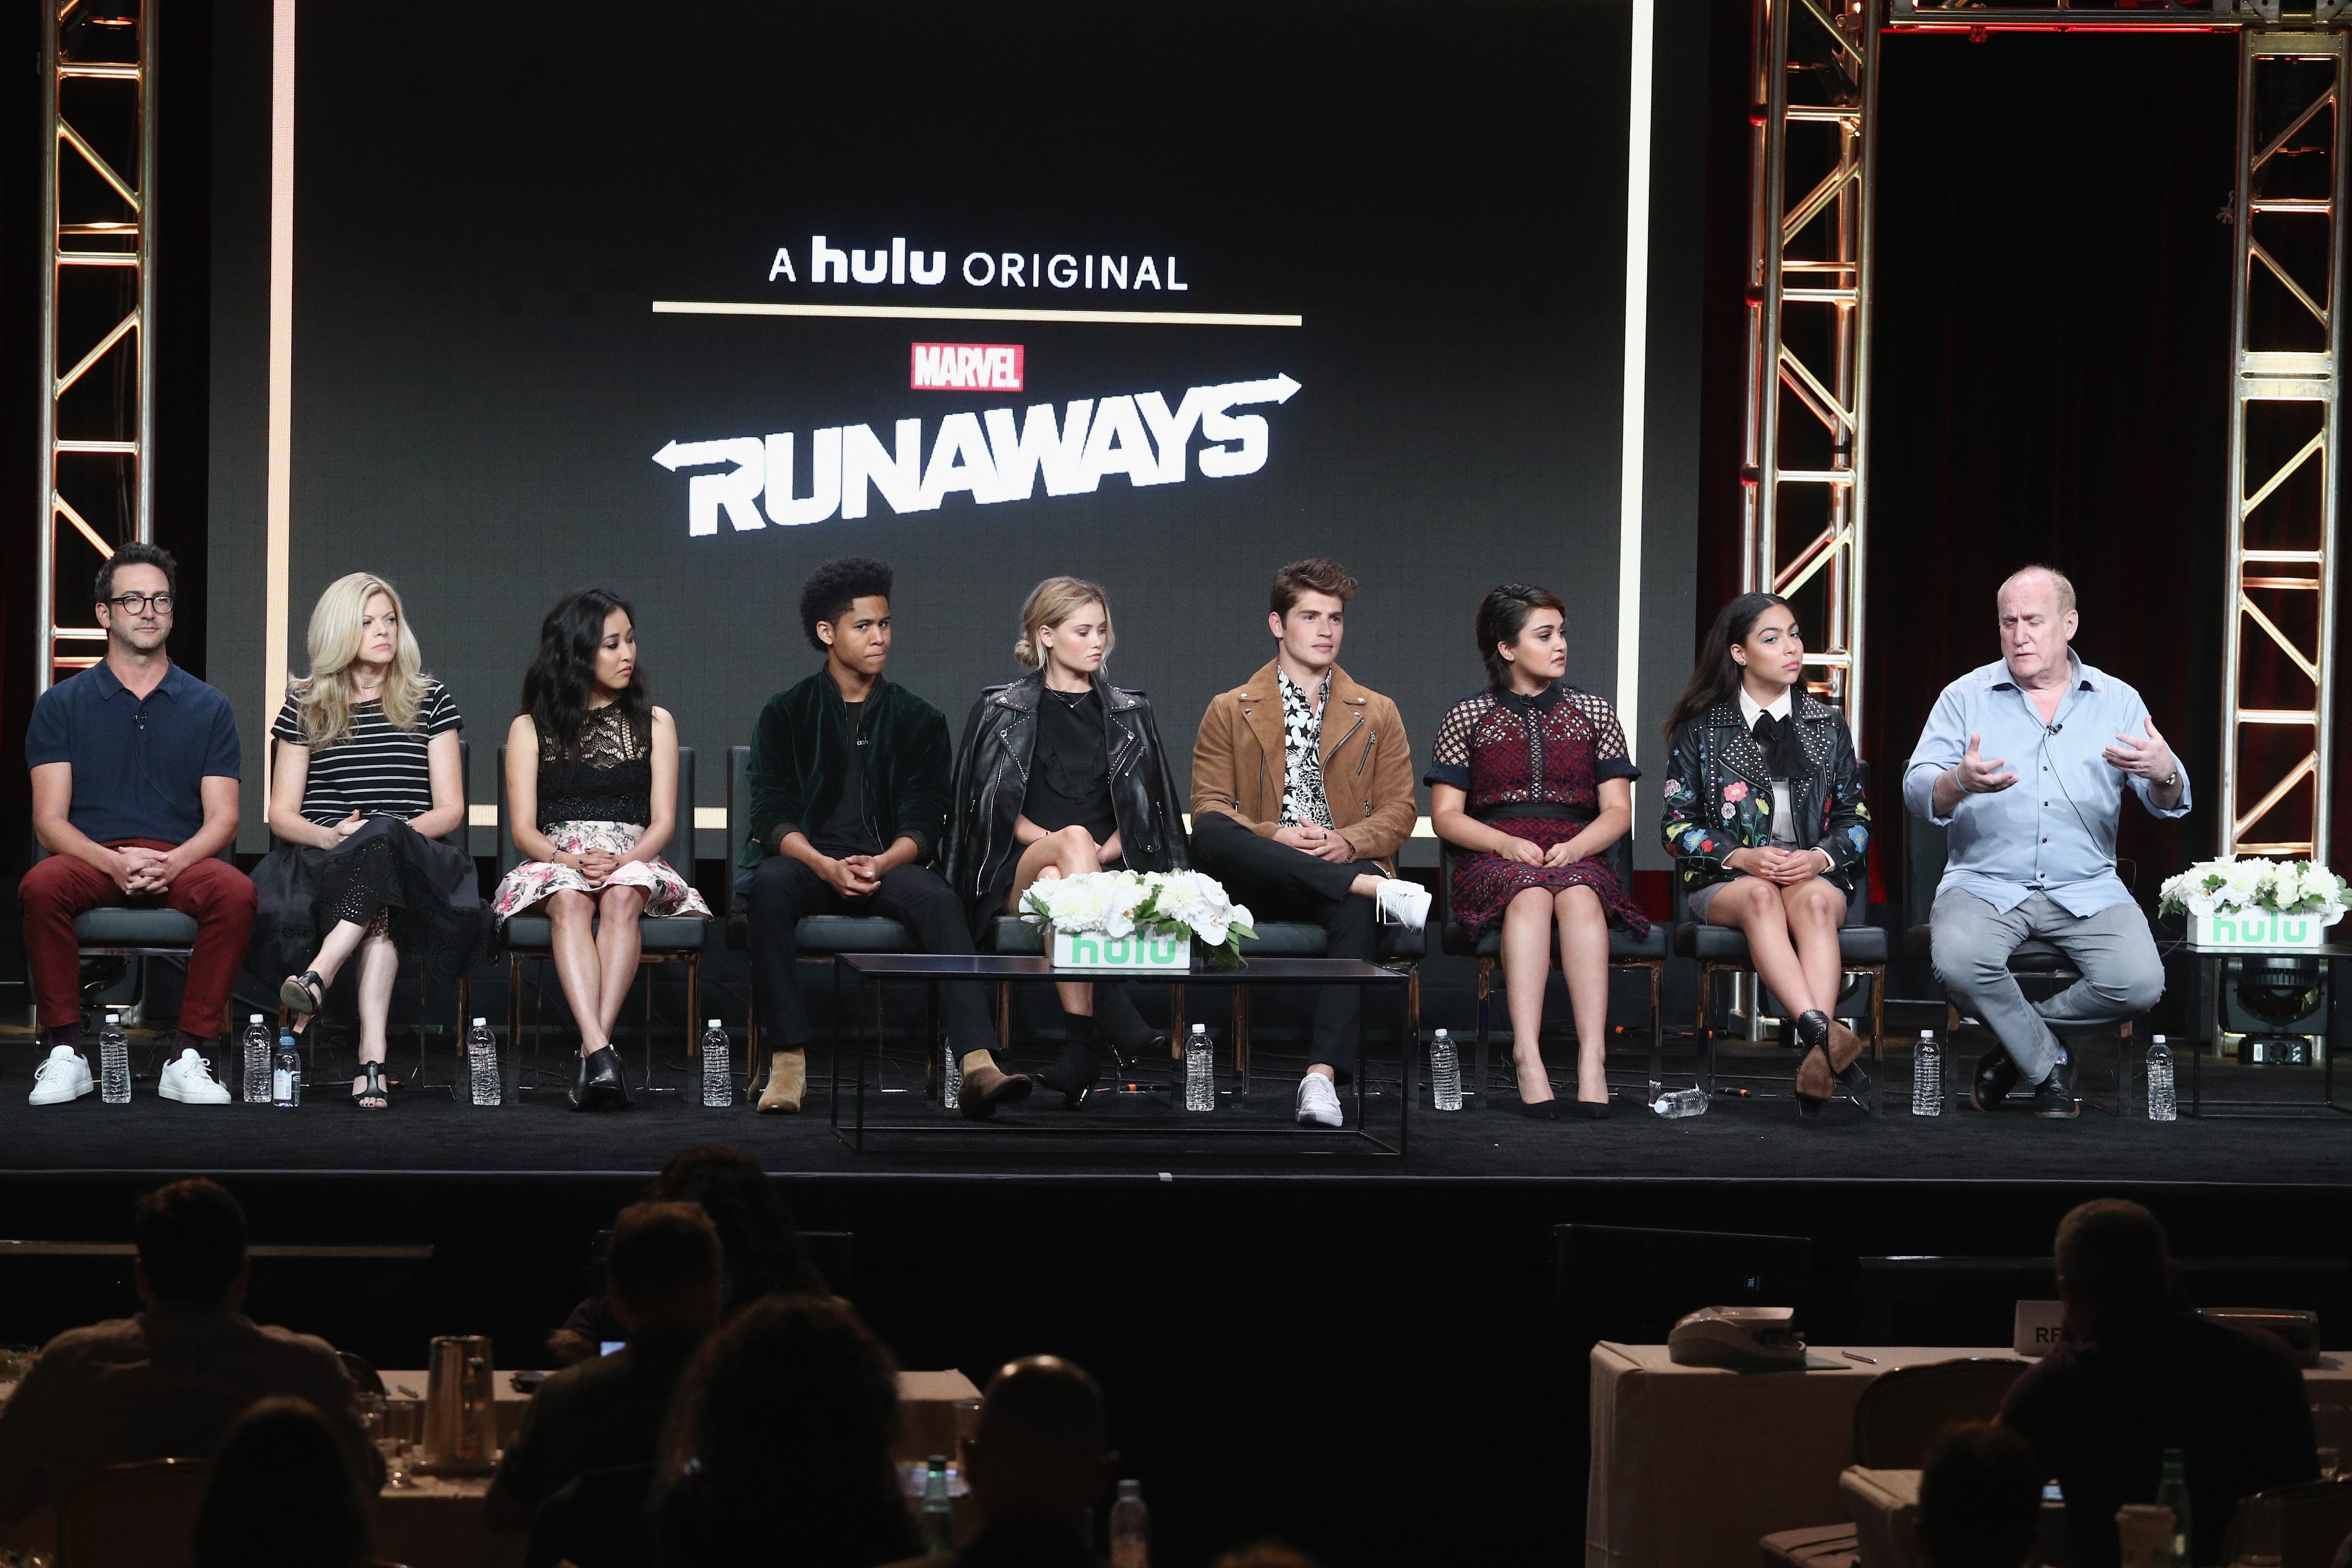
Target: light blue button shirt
(2053, 831)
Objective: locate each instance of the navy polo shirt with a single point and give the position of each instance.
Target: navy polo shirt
(139, 767)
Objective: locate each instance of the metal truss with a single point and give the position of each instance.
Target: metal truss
(2278, 674)
(1812, 118)
(98, 310)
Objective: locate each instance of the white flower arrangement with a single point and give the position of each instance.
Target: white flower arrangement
(1119, 903)
(2231, 886)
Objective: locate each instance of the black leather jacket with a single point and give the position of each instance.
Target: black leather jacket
(992, 783)
(1718, 795)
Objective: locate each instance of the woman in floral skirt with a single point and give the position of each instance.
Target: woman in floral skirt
(1765, 816)
(1530, 779)
(592, 790)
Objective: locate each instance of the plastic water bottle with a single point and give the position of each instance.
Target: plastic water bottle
(717, 1066)
(114, 1062)
(950, 1077)
(1927, 1076)
(2172, 1492)
(1200, 1070)
(938, 1508)
(256, 1084)
(1444, 1072)
(2163, 1103)
(1681, 1102)
(285, 1072)
(1131, 1527)
(482, 1063)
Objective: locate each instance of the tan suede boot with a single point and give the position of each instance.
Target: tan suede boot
(986, 1086)
(787, 1081)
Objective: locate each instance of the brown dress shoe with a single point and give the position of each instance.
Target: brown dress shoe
(987, 1087)
(787, 1081)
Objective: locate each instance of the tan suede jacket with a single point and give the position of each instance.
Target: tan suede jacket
(1238, 766)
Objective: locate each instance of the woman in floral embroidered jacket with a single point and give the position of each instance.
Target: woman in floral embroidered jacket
(1765, 820)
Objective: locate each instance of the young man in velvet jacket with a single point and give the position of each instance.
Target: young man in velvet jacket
(849, 790)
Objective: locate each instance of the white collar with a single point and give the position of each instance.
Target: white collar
(1748, 708)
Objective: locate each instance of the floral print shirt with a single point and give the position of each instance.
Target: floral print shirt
(1718, 795)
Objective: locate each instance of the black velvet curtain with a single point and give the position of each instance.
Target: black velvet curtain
(2051, 375)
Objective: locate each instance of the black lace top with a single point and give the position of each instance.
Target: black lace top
(606, 775)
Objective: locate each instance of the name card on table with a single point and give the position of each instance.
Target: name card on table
(2040, 1326)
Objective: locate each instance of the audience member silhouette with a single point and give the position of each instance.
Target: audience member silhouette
(282, 1495)
(1980, 1498)
(1037, 1465)
(779, 1450)
(169, 1383)
(2139, 1372)
(663, 1282)
(762, 1249)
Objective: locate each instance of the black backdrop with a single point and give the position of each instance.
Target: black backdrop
(488, 202)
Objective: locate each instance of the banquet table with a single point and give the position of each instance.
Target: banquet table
(435, 1521)
(1692, 1465)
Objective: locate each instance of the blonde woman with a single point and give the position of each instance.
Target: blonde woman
(365, 785)
(1062, 772)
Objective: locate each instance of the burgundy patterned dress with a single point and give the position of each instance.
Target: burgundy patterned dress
(1532, 767)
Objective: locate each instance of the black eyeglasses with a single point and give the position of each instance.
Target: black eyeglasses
(136, 604)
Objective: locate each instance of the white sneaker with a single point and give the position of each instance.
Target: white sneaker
(1319, 1102)
(189, 1080)
(61, 1079)
(1403, 903)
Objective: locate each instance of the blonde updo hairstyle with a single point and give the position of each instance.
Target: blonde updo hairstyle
(324, 701)
(1051, 603)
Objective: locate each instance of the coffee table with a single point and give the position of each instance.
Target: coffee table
(881, 970)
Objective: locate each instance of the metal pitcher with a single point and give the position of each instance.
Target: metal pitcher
(460, 1415)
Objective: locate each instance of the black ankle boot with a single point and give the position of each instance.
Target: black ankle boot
(1074, 1073)
(1813, 1027)
(1120, 1030)
(600, 1085)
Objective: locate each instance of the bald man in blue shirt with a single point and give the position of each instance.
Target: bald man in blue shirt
(2026, 762)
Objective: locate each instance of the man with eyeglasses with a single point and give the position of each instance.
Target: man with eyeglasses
(135, 769)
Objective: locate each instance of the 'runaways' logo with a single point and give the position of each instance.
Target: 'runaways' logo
(984, 455)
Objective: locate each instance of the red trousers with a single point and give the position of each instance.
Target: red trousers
(216, 893)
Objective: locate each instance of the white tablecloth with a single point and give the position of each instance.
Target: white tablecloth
(1692, 1465)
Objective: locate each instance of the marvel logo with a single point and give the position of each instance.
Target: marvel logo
(967, 367)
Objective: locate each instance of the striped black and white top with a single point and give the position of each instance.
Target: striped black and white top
(378, 771)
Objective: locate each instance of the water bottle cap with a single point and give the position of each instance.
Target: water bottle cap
(114, 1018)
(2158, 1040)
(255, 1019)
(1443, 1036)
(1200, 1028)
(481, 1023)
(1927, 1033)
(1130, 1491)
(712, 1025)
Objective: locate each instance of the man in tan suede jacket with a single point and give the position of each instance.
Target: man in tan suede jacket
(1302, 796)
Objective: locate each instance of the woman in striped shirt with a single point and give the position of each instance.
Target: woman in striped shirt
(366, 784)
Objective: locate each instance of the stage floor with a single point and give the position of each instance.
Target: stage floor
(1735, 1140)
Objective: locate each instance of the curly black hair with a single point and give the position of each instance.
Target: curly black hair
(835, 585)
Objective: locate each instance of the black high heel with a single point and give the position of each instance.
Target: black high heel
(1813, 1032)
(1592, 1110)
(373, 1088)
(302, 995)
(1540, 1109)
(601, 1086)
(1856, 1084)
(1120, 1031)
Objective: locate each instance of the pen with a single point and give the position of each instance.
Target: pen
(1857, 1355)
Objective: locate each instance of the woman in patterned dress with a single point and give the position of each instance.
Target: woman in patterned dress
(592, 790)
(365, 785)
(1765, 820)
(1530, 780)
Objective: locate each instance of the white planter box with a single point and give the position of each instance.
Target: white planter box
(2254, 931)
(1146, 951)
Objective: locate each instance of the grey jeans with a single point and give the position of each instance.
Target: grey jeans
(2121, 974)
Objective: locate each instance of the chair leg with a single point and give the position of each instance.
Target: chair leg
(514, 1006)
(1485, 990)
(694, 999)
(1877, 1015)
(1175, 1020)
(1706, 1028)
(1240, 1028)
(1003, 1016)
(1657, 1034)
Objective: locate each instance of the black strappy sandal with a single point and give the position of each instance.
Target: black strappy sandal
(302, 995)
(375, 1088)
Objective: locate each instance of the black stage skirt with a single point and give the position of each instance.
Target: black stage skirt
(425, 891)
